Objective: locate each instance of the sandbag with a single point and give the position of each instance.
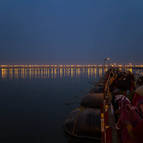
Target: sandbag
(84, 123)
(97, 89)
(92, 100)
(139, 90)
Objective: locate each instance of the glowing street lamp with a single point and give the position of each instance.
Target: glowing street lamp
(106, 60)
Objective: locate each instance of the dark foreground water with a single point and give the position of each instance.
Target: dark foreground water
(35, 102)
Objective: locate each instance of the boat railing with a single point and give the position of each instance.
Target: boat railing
(106, 129)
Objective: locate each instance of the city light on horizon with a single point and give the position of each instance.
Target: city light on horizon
(74, 66)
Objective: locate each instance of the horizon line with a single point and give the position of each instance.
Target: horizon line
(69, 65)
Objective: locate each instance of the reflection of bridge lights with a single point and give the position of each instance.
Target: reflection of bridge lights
(52, 73)
(92, 71)
(11, 73)
(38, 73)
(16, 73)
(105, 69)
(4, 73)
(46, 72)
(72, 72)
(55, 73)
(100, 72)
(61, 72)
(68, 71)
(88, 73)
(95, 72)
(78, 71)
(25, 73)
(22, 72)
(30, 73)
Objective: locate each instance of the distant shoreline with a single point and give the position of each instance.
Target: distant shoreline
(73, 66)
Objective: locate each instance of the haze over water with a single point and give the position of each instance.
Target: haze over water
(34, 102)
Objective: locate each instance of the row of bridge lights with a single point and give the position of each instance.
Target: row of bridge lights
(49, 66)
(69, 66)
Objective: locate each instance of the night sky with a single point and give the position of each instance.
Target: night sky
(71, 31)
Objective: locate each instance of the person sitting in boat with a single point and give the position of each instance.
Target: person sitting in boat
(118, 100)
(135, 132)
(128, 118)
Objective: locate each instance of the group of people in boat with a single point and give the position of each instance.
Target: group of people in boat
(127, 103)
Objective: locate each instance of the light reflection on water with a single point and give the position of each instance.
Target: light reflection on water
(35, 101)
(38, 108)
(55, 73)
(51, 73)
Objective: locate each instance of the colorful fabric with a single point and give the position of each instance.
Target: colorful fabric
(136, 99)
(128, 117)
(138, 132)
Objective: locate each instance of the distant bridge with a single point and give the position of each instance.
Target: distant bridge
(73, 66)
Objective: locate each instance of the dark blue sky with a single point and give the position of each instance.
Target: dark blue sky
(70, 31)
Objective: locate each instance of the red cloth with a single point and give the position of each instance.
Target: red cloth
(136, 99)
(138, 132)
(128, 115)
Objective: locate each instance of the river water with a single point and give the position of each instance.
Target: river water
(34, 102)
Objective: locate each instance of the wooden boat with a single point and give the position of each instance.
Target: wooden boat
(95, 119)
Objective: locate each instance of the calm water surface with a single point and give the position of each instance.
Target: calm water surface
(35, 102)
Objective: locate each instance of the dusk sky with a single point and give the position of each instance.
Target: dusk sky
(71, 31)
